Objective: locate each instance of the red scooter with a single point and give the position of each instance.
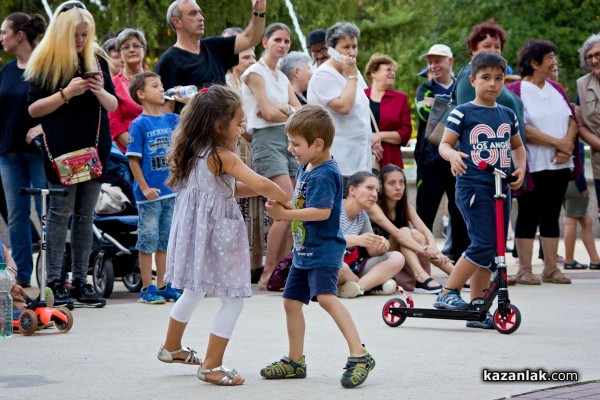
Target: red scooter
(507, 317)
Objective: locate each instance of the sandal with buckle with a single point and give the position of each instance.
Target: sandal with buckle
(227, 380)
(168, 356)
(574, 265)
(286, 368)
(357, 370)
(555, 276)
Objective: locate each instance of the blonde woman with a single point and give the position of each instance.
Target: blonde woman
(70, 90)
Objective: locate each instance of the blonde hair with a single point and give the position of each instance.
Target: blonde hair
(55, 61)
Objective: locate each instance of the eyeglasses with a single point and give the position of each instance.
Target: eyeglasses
(132, 46)
(322, 51)
(72, 5)
(591, 57)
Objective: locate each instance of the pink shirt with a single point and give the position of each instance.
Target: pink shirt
(126, 111)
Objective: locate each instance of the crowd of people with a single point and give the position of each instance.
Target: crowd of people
(303, 132)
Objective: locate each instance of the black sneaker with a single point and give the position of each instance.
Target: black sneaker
(85, 296)
(61, 295)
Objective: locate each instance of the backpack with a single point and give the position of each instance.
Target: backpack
(279, 276)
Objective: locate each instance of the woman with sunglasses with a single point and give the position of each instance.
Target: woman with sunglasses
(70, 90)
(131, 45)
(20, 160)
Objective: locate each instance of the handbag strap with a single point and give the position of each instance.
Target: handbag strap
(373, 120)
(97, 130)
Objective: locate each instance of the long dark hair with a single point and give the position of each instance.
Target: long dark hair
(401, 208)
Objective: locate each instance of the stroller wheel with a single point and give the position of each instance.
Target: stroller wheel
(103, 275)
(133, 282)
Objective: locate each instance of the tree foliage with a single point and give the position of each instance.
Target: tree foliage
(404, 29)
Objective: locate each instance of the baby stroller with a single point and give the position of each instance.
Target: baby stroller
(115, 233)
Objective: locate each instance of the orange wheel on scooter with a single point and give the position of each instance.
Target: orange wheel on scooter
(28, 322)
(509, 324)
(63, 326)
(392, 319)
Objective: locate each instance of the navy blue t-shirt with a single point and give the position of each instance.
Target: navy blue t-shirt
(484, 135)
(319, 243)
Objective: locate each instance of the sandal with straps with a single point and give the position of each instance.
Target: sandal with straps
(168, 356)
(357, 370)
(555, 276)
(284, 369)
(574, 265)
(227, 380)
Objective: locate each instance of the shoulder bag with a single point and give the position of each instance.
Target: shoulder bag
(436, 124)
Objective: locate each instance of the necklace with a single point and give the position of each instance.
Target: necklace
(273, 71)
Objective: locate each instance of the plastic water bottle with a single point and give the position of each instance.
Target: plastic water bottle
(6, 304)
(182, 92)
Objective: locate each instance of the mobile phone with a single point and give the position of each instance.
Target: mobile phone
(336, 55)
(89, 74)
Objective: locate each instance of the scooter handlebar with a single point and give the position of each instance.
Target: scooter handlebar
(36, 192)
(484, 166)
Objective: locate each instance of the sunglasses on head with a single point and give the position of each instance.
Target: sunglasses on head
(72, 5)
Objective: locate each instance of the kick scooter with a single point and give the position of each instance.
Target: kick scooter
(30, 320)
(506, 318)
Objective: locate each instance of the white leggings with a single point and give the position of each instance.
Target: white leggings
(224, 321)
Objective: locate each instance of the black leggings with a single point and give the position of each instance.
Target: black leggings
(542, 205)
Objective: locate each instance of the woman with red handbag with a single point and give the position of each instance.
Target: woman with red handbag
(70, 90)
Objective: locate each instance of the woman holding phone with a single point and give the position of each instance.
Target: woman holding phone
(338, 86)
(72, 107)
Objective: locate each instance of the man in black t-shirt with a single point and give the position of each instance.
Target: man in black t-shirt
(193, 60)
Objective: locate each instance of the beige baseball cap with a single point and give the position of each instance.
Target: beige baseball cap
(438, 50)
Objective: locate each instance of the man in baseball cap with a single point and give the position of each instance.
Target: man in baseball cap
(317, 46)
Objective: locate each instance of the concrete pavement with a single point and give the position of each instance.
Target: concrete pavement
(111, 353)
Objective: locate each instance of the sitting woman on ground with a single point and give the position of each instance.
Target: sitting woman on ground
(369, 266)
(396, 219)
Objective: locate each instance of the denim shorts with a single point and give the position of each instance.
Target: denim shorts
(306, 284)
(154, 225)
(477, 205)
(270, 156)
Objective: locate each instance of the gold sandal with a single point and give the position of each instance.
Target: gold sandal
(227, 380)
(168, 356)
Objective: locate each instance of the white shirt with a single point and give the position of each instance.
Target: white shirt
(352, 143)
(545, 109)
(276, 89)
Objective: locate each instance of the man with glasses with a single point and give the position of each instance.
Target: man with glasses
(198, 61)
(317, 46)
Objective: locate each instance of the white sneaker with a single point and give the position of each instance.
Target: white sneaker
(388, 287)
(349, 290)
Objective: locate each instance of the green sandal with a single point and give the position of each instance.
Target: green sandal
(285, 368)
(357, 370)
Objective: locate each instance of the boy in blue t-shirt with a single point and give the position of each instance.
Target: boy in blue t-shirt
(149, 141)
(319, 246)
(486, 131)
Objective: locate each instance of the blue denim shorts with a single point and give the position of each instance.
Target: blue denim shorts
(154, 225)
(477, 205)
(306, 284)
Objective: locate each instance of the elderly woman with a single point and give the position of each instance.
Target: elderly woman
(297, 67)
(338, 86)
(70, 90)
(587, 108)
(551, 131)
(131, 44)
(390, 109)
(21, 163)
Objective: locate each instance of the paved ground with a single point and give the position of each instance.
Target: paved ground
(111, 353)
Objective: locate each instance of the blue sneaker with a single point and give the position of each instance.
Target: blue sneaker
(151, 296)
(450, 300)
(488, 323)
(169, 293)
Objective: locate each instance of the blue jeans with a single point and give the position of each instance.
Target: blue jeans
(21, 170)
(80, 205)
(154, 225)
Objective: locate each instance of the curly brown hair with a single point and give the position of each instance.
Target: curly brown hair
(481, 31)
(196, 137)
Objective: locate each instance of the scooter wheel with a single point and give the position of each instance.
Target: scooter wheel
(509, 324)
(28, 322)
(62, 326)
(390, 318)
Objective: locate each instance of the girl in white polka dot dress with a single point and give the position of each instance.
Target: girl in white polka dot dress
(208, 249)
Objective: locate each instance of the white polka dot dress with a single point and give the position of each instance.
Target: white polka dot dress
(208, 245)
